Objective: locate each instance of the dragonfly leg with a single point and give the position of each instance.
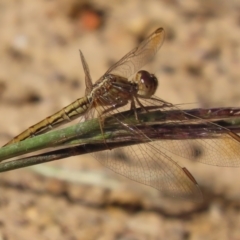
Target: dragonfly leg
(133, 107)
(113, 108)
(163, 103)
(101, 124)
(101, 117)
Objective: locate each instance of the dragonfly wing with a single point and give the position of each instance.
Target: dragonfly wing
(88, 79)
(195, 138)
(222, 150)
(145, 164)
(139, 56)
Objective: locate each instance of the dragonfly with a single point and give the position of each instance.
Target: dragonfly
(126, 86)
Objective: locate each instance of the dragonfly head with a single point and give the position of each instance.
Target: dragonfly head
(147, 83)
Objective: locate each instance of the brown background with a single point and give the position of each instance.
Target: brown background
(40, 72)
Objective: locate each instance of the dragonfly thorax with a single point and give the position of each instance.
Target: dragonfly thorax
(147, 83)
(113, 90)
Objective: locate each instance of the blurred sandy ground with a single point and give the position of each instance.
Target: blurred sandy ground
(40, 72)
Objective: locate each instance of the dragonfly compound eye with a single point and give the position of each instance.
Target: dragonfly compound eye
(147, 83)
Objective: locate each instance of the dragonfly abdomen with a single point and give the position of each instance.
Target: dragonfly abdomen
(68, 113)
